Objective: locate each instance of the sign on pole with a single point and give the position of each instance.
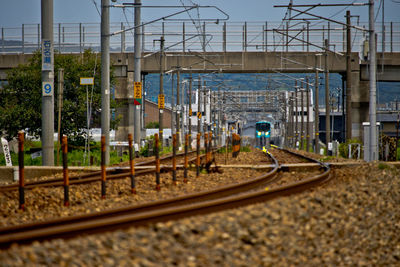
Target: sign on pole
(47, 88)
(47, 55)
(161, 101)
(6, 151)
(137, 93)
(87, 81)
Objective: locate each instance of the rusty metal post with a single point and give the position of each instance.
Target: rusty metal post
(210, 136)
(103, 167)
(185, 166)
(21, 137)
(157, 150)
(198, 155)
(174, 159)
(206, 146)
(65, 170)
(131, 163)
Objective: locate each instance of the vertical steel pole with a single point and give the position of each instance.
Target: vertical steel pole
(80, 37)
(308, 116)
(198, 155)
(316, 103)
(59, 38)
(186, 163)
(137, 62)
(224, 37)
(178, 105)
(131, 164)
(205, 108)
(199, 107)
(65, 170)
(190, 106)
(48, 79)
(296, 114)
(174, 159)
(105, 76)
(372, 84)
(157, 150)
(21, 187)
(103, 167)
(161, 110)
(183, 37)
(302, 116)
(348, 77)
(23, 38)
(122, 38)
(60, 105)
(327, 106)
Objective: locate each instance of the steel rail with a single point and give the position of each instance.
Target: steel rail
(112, 173)
(172, 209)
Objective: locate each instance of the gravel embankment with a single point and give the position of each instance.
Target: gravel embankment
(45, 203)
(351, 220)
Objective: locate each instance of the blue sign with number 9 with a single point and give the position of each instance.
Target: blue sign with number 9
(47, 88)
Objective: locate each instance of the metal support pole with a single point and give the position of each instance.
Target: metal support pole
(183, 37)
(65, 170)
(174, 159)
(316, 103)
(391, 37)
(178, 107)
(105, 76)
(348, 77)
(161, 110)
(80, 37)
(308, 38)
(372, 85)
(205, 108)
(23, 38)
(327, 106)
(190, 106)
(296, 114)
(266, 37)
(21, 180)
(157, 152)
(137, 63)
(103, 167)
(59, 38)
(302, 116)
(308, 116)
(122, 38)
(47, 81)
(224, 37)
(199, 107)
(60, 106)
(131, 164)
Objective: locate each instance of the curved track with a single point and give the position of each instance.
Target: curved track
(112, 173)
(226, 197)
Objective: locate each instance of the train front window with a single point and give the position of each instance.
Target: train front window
(263, 127)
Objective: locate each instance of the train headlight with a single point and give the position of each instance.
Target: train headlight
(266, 134)
(259, 133)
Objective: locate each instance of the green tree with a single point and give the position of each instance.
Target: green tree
(21, 98)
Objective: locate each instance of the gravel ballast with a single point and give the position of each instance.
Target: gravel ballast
(353, 219)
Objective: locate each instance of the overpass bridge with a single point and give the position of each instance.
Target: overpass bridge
(246, 47)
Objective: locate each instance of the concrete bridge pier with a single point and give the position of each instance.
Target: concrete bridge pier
(359, 104)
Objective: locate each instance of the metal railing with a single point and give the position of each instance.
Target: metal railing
(203, 37)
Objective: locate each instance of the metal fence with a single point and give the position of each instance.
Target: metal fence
(202, 37)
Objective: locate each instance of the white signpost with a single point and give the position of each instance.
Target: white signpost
(6, 151)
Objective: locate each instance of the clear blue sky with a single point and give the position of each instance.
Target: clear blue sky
(13, 13)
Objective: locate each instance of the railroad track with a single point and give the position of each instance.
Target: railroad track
(226, 197)
(112, 173)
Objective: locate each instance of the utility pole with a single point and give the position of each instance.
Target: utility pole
(372, 85)
(47, 84)
(105, 76)
(308, 116)
(327, 107)
(173, 108)
(199, 108)
(161, 95)
(348, 77)
(137, 63)
(60, 104)
(316, 103)
(302, 116)
(190, 106)
(296, 114)
(178, 107)
(205, 108)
